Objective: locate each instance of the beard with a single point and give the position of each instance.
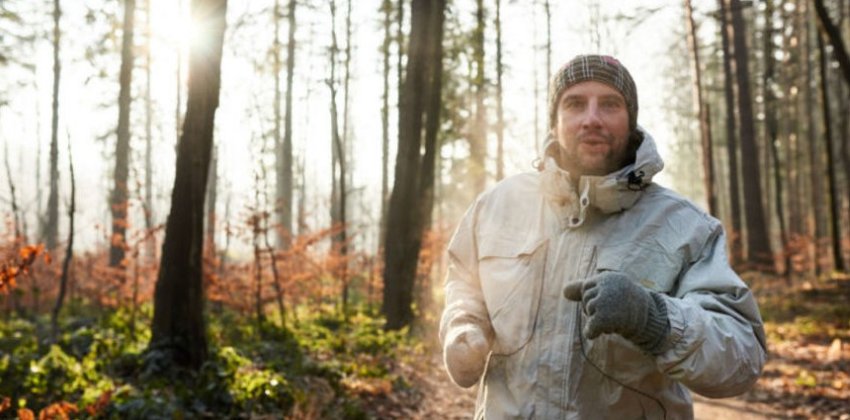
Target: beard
(595, 154)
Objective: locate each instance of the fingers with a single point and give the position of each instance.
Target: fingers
(573, 291)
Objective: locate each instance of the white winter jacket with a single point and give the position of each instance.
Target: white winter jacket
(531, 234)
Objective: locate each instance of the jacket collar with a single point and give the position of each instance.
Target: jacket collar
(615, 192)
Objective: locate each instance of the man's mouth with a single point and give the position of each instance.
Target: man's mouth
(593, 140)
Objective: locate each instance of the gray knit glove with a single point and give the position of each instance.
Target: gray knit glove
(614, 303)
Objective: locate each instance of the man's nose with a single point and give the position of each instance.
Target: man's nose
(592, 117)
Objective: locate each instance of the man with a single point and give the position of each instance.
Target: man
(584, 290)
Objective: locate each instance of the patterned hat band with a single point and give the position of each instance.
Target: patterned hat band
(601, 68)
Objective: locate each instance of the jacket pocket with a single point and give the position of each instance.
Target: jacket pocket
(511, 273)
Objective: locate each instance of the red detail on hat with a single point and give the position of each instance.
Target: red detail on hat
(611, 60)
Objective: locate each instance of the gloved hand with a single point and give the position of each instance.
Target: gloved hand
(614, 303)
(465, 354)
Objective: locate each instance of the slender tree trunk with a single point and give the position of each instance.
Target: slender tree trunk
(69, 252)
(701, 109)
(287, 181)
(148, 206)
(14, 200)
(120, 196)
(736, 237)
(478, 136)
(815, 155)
(178, 107)
(536, 81)
(404, 228)
(834, 198)
(212, 189)
(833, 33)
(758, 242)
(178, 321)
(386, 9)
(52, 225)
(500, 116)
(279, 203)
(771, 129)
(256, 220)
(548, 11)
(339, 164)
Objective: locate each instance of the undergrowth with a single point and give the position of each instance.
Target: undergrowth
(100, 367)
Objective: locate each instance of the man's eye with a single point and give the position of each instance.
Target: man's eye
(572, 104)
(611, 104)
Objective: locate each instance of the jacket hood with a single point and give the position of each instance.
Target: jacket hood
(611, 193)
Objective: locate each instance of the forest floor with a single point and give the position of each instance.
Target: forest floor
(807, 374)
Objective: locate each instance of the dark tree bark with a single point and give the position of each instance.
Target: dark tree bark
(51, 228)
(833, 33)
(758, 242)
(478, 135)
(69, 253)
(702, 111)
(736, 236)
(119, 200)
(815, 155)
(414, 177)
(178, 321)
(500, 115)
(772, 132)
(832, 182)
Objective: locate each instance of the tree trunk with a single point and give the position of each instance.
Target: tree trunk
(758, 242)
(212, 189)
(478, 136)
(287, 180)
(279, 203)
(69, 252)
(500, 116)
(386, 9)
(833, 33)
(834, 198)
(771, 131)
(548, 11)
(736, 235)
(13, 198)
(701, 109)
(51, 228)
(120, 195)
(148, 203)
(339, 165)
(815, 155)
(178, 107)
(178, 321)
(410, 188)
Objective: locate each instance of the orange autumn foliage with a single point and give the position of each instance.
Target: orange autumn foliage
(61, 410)
(14, 266)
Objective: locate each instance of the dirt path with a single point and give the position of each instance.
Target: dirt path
(441, 399)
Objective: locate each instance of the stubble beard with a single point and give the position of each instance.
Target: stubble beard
(590, 163)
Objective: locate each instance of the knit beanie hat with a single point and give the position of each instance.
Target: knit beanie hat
(600, 68)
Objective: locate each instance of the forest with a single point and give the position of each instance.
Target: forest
(225, 209)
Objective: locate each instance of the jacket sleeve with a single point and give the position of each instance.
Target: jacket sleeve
(716, 345)
(464, 299)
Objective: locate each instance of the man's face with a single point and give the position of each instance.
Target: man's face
(592, 128)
